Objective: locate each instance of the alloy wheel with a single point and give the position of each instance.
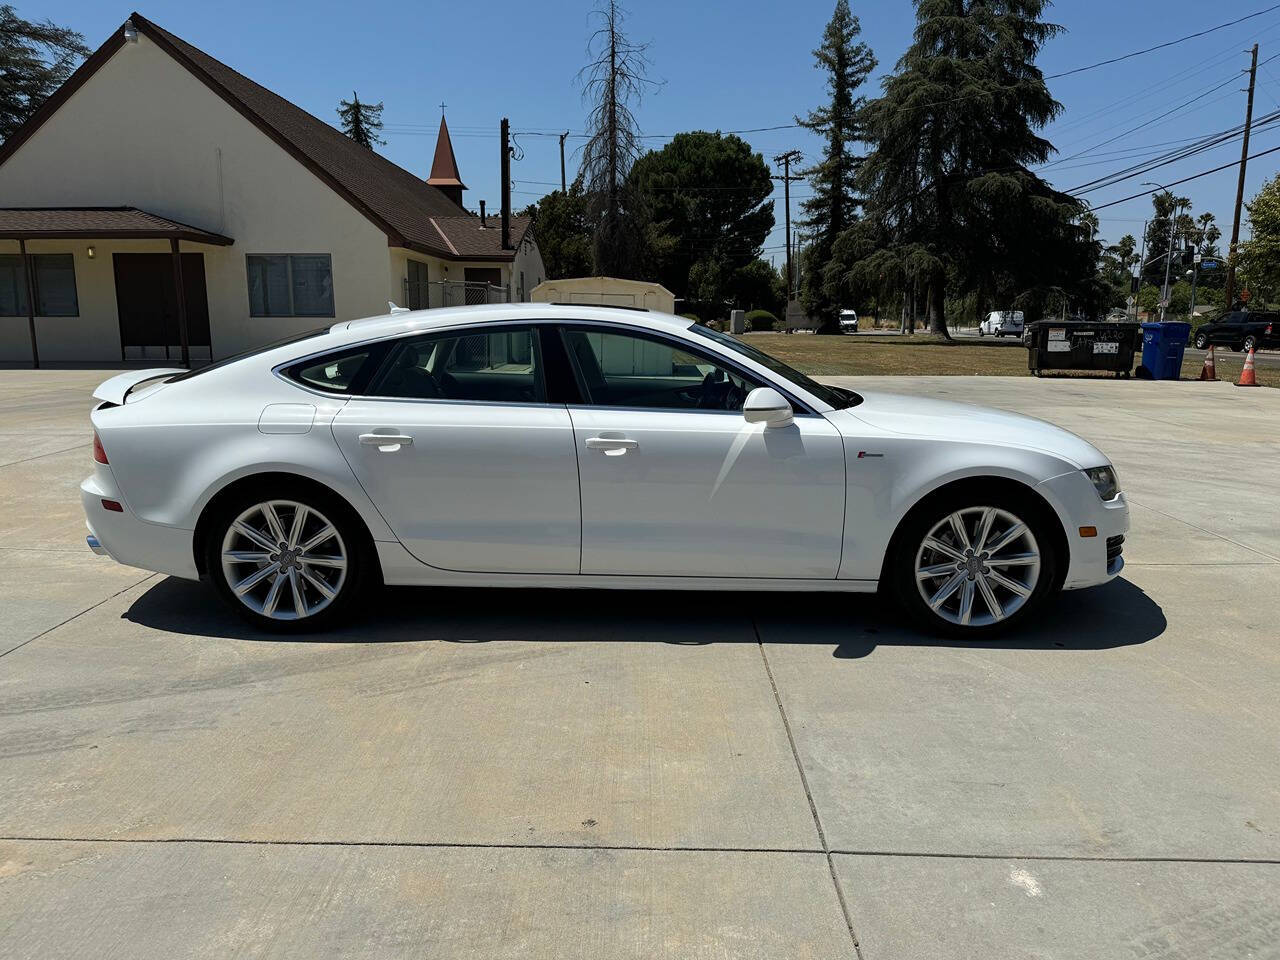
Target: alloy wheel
(977, 566)
(284, 560)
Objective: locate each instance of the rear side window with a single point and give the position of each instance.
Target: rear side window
(344, 371)
(493, 366)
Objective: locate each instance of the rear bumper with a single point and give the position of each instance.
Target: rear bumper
(124, 538)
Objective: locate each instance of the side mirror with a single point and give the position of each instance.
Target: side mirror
(766, 405)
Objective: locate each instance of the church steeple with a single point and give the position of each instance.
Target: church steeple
(444, 167)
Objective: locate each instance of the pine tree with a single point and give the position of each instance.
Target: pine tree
(614, 81)
(948, 178)
(847, 62)
(35, 59)
(362, 122)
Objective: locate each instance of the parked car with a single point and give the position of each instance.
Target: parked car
(1002, 323)
(1240, 330)
(848, 321)
(543, 445)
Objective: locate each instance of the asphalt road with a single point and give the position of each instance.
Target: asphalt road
(553, 775)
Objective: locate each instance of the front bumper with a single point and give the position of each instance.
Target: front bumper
(124, 538)
(1095, 559)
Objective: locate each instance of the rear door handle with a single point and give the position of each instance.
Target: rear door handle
(612, 446)
(385, 440)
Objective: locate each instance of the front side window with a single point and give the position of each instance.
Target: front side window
(290, 285)
(635, 370)
(493, 366)
(54, 278)
(835, 397)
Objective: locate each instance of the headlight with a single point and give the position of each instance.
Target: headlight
(1104, 481)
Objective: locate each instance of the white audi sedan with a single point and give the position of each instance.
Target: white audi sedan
(544, 445)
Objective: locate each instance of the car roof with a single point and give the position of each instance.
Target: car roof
(412, 321)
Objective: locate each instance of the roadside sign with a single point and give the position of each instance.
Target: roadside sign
(1208, 264)
(1198, 258)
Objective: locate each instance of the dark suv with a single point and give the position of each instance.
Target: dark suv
(1241, 330)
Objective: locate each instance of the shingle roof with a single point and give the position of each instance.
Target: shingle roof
(401, 204)
(97, 222)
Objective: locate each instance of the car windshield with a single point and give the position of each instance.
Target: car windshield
(296, 338)
(836, 397)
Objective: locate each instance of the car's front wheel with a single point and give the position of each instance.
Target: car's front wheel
(292, 562)
(972, 566)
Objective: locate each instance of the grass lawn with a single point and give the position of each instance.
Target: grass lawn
(930, 356)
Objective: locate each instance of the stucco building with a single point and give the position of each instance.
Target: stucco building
(160, 197)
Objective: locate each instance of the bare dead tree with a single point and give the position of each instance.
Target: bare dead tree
(613, 81)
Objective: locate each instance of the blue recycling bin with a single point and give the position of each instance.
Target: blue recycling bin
(1162, 347)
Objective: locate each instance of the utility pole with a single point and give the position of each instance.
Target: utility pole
(563, 188)
(1142, 263)
(1229, 292)
(786, 159)
(1168, 259)
(506, 184)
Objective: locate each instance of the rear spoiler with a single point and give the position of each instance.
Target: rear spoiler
(117, 389)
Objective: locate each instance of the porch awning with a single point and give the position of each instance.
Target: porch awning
(98, 223)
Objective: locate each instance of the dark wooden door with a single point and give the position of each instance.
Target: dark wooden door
(147, 301)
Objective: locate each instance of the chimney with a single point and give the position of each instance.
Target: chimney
(506, 185)
(482, 221)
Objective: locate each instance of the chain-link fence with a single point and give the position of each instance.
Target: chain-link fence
(451, 293)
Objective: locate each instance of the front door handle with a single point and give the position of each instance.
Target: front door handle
(612, 446)
(383, 441)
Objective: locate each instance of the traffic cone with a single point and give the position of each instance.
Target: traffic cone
(1208, 371)
(1247, 377)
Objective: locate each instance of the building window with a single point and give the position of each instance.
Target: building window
(54, 276)
(416, 286)
(290, 285)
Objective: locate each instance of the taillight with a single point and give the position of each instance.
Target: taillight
(99, 454)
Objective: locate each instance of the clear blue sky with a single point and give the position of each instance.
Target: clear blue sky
(726, 64)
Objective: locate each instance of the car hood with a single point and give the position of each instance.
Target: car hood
(967, 422)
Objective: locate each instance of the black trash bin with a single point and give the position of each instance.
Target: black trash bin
(1055, 345)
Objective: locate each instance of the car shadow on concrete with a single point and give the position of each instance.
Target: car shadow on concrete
(853, 625)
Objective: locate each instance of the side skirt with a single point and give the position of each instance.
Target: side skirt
(400, 568)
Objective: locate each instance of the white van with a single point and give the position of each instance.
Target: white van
(848, 321)
(1002, 323)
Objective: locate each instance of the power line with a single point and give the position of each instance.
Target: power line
(1162, 46)
(1173, 156)
(1146, 123)
(1196, 176)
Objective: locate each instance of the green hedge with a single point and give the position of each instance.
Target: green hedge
(692, 316)
(760, 321)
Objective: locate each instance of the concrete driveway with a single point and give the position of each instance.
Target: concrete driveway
(543, 774)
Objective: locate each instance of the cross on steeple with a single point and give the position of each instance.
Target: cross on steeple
(442, 108)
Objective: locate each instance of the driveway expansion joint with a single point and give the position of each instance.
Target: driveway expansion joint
(808, 794)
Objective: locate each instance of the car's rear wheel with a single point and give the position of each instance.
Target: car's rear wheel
(1202, 341)
(1250, 343)
(290, 562)
(965, 566)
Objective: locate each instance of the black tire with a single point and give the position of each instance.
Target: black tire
(1249, 343)
(349, 543)
(908, 545)
(1202, 341)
